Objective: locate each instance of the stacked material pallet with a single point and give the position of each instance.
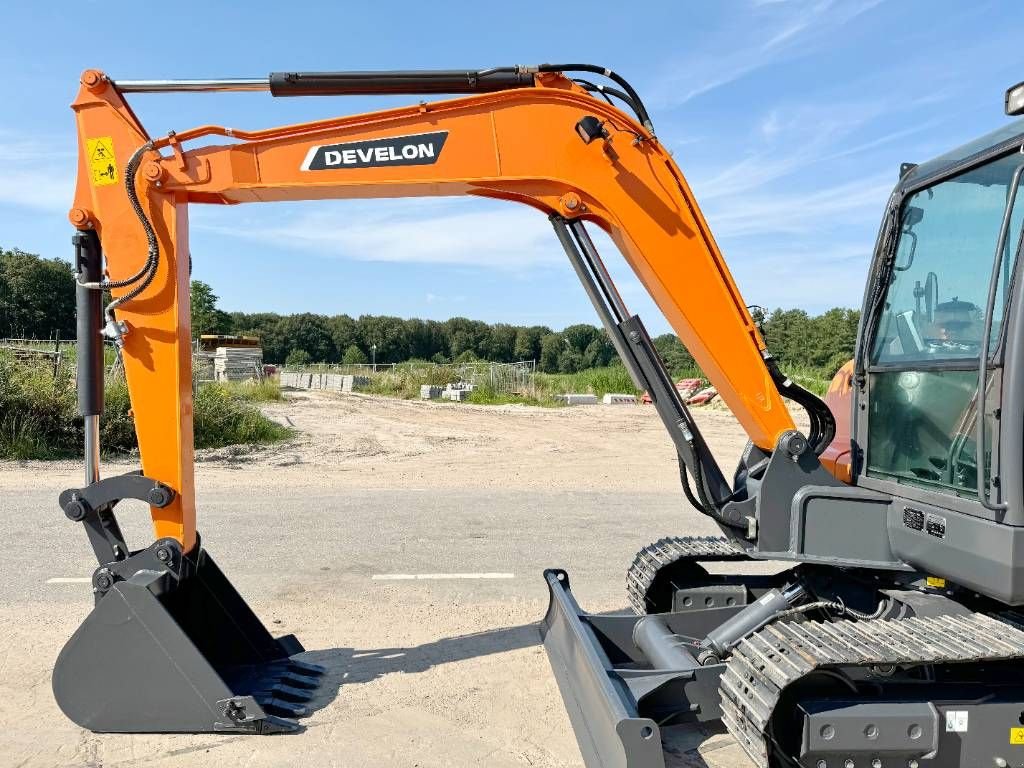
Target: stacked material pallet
(237, 363)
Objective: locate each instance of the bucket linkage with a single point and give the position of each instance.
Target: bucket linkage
(170, 645)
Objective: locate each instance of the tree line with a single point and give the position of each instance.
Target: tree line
(37, 300)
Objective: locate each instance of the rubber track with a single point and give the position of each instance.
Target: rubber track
(669, 551)
(768, 661)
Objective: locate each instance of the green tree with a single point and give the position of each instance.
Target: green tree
(310, 333)
(677, 358)
(528, 341)
(354, 356)
(297, 358)
(551, 347)
(37, 296)
(206, 317)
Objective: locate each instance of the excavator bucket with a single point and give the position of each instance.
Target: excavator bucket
(171, 646)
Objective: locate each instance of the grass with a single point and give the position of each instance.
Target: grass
(221, 418)
(594, 381)
(404, 380)
(266, 391)
(39, 414)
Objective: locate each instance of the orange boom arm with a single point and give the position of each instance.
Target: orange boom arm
(518, 145)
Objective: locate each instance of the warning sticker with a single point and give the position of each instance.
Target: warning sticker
(102, 163)
(956, 721)
(1017, 735)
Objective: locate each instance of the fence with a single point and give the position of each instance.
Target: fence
(46, 352)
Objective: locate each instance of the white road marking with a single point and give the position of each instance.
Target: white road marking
(438, 576)
(71, 580)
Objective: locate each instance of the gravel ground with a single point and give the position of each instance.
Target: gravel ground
(421, 672)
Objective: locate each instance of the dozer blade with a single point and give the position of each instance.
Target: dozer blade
(601, 706)
(178, 650)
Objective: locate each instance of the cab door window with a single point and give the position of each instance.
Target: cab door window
(923, 373)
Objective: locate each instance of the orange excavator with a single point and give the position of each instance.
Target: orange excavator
(895, 626)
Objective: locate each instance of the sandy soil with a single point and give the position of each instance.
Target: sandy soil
(420, 673)
(352, 439)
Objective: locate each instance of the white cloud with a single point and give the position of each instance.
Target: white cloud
(37, 174)
(420, 232)
(766, 32)
(816, 211)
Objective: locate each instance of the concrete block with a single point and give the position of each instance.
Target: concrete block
(430, 392)
(457, 395)
(577, 399)
(616, 399)
(354, 383)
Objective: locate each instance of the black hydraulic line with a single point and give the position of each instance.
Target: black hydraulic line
(398, 82)
(607, 91)
(822, 422)
(634, 97)
(684, 480)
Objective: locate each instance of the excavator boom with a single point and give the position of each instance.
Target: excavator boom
(521, 143)
(897, 613)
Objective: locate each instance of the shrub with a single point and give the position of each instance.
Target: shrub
(39, 414)
(354, 356)
(220, 419)
(297, 357)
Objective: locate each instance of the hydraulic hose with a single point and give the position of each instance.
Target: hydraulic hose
(606, 91)
(822, 422)
(701, 501)
(144, 277)
(634, 98)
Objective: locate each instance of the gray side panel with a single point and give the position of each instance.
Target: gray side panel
(842, 524)
(975, 553)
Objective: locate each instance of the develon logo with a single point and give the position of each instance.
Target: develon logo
(418, 149)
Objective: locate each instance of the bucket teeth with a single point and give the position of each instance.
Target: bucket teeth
(305, 668)
(300, 681)
(275, 706)
(286, 693)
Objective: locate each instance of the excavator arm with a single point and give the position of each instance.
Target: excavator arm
(541, 140)
(528, 135)
(892, 649)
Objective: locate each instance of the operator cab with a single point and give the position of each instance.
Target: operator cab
(939, 317)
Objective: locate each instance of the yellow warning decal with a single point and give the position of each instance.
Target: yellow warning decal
(102, 163)
(935, 581)
(1017, 735)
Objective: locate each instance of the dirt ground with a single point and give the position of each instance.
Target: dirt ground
(421, 672)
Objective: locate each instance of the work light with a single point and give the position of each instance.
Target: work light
(1015, 100)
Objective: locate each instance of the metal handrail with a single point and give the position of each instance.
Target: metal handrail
(983, 352)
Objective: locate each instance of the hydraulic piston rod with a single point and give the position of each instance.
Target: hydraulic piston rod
(89, 375)
(347, 83)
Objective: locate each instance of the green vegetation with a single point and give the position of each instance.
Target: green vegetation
(37, 296)
(222, 418)
(37, 300)
(39, 414)
(265, 391)
(597, 381)
(405, 380)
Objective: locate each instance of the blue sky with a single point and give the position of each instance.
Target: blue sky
(788, 117)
